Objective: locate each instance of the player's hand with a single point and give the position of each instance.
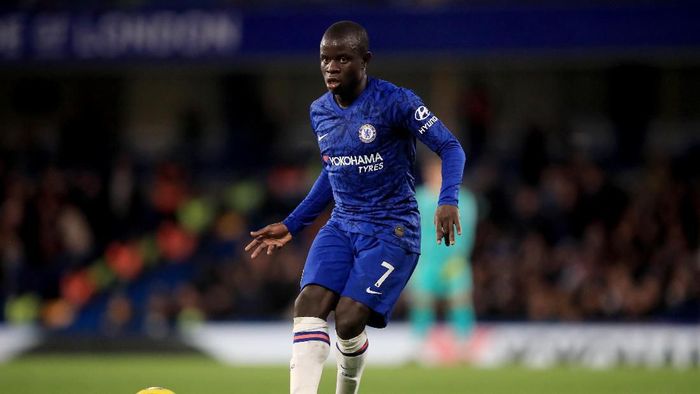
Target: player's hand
(270, 237)
(446, 220)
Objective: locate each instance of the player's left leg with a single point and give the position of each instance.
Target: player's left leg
(350, 320)
(379, 274)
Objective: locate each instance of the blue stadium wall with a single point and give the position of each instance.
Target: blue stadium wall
(230, 35)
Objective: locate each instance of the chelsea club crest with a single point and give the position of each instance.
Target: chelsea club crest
(367, 133)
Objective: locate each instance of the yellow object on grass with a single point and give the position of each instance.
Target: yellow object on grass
(155, 390)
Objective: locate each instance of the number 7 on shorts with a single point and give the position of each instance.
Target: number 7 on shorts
(389, 270)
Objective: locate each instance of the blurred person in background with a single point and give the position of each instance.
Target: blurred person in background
(363, 257)
(442, 274)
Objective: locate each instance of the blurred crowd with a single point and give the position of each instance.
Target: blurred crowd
(94, 238)
(140, 249)
(586, 244)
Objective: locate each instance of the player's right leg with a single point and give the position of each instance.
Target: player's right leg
(325, 273)
(311, 344)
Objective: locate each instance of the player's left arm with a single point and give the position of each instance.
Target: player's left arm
(417, 118)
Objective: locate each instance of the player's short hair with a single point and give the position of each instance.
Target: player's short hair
(352, 31)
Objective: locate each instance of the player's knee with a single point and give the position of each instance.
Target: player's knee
(348, 327)
(314, 301)
(350, 318)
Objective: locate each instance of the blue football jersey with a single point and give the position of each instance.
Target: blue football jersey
(368, 152)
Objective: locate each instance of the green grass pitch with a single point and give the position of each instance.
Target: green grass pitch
(187, 374)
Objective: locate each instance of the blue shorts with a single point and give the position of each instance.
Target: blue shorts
(366, 269)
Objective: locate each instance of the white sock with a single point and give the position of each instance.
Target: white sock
(350, 356)
(309, 352)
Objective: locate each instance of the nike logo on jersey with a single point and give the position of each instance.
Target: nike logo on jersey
(320, 137)
(370, 291)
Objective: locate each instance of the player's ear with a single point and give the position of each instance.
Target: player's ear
(366, 58)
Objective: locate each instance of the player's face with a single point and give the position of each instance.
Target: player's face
(342, 67)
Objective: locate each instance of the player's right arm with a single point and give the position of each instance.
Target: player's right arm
(316, 201)
(276, 235)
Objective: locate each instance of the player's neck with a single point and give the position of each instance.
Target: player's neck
(346, 100)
